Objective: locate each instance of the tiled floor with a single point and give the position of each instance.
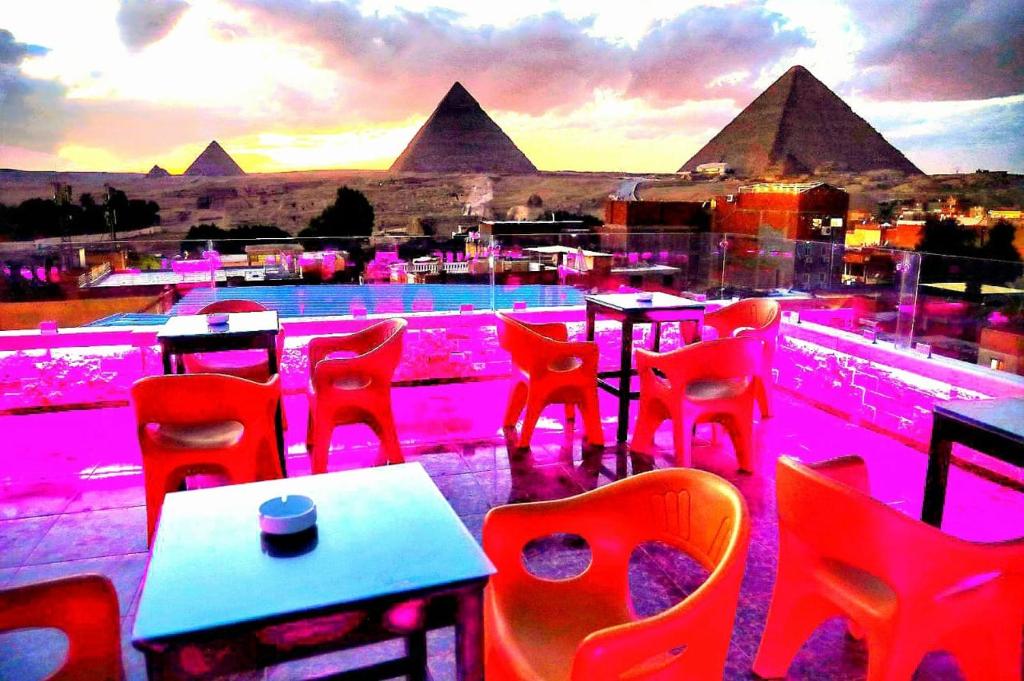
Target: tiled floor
(71, 501)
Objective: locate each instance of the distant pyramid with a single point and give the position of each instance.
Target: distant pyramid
(157, 171)
(798, 126)
(459, 137)
(213, 162)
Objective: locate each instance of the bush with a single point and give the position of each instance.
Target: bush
(351, 215)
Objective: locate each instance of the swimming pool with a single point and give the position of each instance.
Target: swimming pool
(334, 300)
(339, 299)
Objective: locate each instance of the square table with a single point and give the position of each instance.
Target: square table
(186, 334)
(994, 427)
(630, 311)
(214, 599)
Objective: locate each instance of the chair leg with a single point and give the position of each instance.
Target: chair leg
(593, 434)
(647, 424)
(763, 396)
(682, 439)
(891, 657)
(321, 447)
(389, 445)
(516, 402)
(309, 432)
(570, 413)
(792, 618)
(533, 409)
(741, 433)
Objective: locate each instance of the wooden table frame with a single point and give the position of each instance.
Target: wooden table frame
(948, 428)
(692, 312)
(173, 349)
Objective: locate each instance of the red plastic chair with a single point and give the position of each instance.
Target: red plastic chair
(85, 609)
(250, 364)
(909, 588)
(550, 370)
(711, 381)
(204, 423)
(355, 389)
(584, 628)
(759, 317)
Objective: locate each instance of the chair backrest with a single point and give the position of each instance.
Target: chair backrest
(523, 341)
(232, 305)
(85, 609)
(380, 344)
(697, 512)
(735, 357)
(760, 317)
(826, 519)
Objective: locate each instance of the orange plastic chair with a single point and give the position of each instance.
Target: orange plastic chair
(250, 364)
(204, 423)
(85, 609)
(759, 317)
(551, 370)
(906, 587)
(355, 389)
(711, 381)
(584, 628)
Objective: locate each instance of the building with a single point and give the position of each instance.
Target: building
(656, 216)
(810, 211)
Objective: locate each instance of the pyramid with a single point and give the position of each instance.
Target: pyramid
(157, 171)
(213, 162)
(459, 137)
(798, 125)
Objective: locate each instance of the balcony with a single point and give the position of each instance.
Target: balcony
(849, 380)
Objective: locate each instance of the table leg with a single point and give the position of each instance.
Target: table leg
(939, 453)
(591, 321)
(469, 635)
(416, 651)
(273, 367)
(165, 356)
(625, 380)
(657, 336)
(179, 363)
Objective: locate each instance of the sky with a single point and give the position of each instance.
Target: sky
(121, 85)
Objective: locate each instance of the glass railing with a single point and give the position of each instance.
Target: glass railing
(963, 308)
(972, 309)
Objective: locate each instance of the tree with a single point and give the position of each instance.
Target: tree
(231, 241)
(351, 215)
(999, 248)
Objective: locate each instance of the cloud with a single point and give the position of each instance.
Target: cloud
(710, 52)
(940, 49)
(398, 63)
(143, 22)
(33, 112)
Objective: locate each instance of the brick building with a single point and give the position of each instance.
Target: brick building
(802, 211)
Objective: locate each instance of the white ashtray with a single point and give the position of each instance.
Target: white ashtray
(287, 515)
(645, 297)
(217, 319)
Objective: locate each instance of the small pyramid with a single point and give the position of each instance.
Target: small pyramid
(157, 171)
(798, 125)
(459, 137)
(214, 162)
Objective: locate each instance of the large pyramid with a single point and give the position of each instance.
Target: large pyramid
(459, 137)
(798, 126)
(214, 162)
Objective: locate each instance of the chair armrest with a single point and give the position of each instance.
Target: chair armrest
(553, 330)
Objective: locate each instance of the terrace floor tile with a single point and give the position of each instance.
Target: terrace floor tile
(92, 534)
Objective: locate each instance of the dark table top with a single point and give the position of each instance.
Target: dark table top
(239, 324)
(627, 302)
(382, 532)
(1001, 416)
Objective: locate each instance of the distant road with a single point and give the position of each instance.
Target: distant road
(627, 189)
